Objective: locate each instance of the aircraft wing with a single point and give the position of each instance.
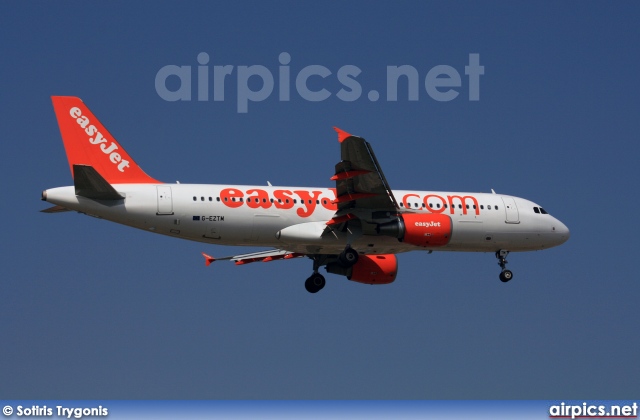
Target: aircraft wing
(361, 188)
(360, 183)
(262, 256)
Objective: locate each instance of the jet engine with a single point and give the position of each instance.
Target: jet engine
(370, 269)
(425, 230)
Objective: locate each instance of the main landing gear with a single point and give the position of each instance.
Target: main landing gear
(505, 275)
(315, 283)
(347, 258)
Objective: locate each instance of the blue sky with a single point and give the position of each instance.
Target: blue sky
(97, 310)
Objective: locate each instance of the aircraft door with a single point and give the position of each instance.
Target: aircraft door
(165, 202)
(215, 232)
(512, 215)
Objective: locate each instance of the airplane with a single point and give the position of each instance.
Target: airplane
(354, 229)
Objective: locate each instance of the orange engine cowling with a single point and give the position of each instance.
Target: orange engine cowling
(370, 269)
(375, 269)
(425, 230)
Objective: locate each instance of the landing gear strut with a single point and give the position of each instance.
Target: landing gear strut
(348, 257)
(316, 281)
(505, 275)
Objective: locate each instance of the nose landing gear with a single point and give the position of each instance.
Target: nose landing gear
(505, 275)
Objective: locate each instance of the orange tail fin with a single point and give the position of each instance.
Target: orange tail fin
(87, 142)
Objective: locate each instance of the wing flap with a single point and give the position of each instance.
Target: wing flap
(55, 209)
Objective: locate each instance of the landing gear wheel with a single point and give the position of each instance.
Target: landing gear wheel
(315, 283)
(506, 275)
(348, 257)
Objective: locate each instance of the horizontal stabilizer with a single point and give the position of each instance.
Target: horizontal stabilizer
(90, 184)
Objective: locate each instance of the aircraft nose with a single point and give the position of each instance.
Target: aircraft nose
(562, 231)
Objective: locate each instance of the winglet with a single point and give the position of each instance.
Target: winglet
(342, 135)
(208, 259)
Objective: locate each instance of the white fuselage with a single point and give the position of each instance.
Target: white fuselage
(255, 216)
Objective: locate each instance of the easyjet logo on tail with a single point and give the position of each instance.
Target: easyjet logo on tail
(107, 147)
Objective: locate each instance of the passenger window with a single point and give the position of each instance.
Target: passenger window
(217, 198)
(210, 199)
(415, 205)
(481, 206)
(438, 205)
(496, 207)
(489, 207)
(194, 198)
(201, 198)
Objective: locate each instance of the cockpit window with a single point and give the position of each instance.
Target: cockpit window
(539, 210)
